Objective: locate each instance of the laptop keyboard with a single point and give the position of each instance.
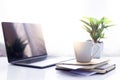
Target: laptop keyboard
(50, 61)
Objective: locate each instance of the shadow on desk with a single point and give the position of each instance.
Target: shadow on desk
(25, 73)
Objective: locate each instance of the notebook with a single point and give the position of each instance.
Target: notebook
(74, 65)
(25, 45)
(101, 66)
(82, 70)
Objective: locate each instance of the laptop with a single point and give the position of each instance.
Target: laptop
(25, 45)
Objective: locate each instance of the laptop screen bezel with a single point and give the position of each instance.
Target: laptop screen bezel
(32, 58)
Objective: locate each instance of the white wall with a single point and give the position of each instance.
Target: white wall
(60, 20)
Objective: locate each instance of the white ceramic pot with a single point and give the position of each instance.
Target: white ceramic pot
(99, 50)
(85, 51)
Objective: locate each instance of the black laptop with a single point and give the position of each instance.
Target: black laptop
(25, 45)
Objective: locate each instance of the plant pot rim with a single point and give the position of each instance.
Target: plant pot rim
(96, 42)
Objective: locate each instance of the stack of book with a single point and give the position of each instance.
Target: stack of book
(101, 65)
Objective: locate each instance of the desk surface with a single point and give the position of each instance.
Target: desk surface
(11, 72)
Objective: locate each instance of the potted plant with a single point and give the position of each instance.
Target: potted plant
(95, 27)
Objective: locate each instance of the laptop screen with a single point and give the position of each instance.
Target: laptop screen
(23, 40)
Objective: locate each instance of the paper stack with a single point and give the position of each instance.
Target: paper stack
(101, 65)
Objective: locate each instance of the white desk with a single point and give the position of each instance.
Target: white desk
(11, 72)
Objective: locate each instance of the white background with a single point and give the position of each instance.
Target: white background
(60, 20)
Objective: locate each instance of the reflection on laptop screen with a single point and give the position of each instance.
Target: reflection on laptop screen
(23, 40)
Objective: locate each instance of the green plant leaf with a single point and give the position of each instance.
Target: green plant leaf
(106, 26)
(85, 22)
(95, 27)
(87, 28)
